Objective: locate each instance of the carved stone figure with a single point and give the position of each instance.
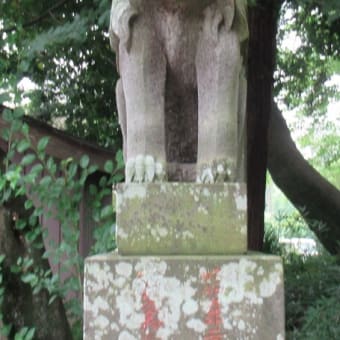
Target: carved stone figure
(182, 93)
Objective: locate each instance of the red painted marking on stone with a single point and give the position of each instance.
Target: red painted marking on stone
(213, 318)
(151, 323)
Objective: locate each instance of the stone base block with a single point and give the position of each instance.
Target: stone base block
(181, 218)
(184, 298)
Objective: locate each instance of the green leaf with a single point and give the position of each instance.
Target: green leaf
(7, 115)
(42, 144)
(93, 168)
(46, 181)
(106, 211)
(28, 159)
(16, 125)
(51, 166)
(37, 169)
(84, 161)
(23, 145)
(30, 278)
(30, 334)
(5, 330)
(28, 204)
(108, 167)
(72, 170)
(52, 299)
(25, 129)
(4, 97)
(120, 159)
(118, 178)
(21, 224)
(18, 112)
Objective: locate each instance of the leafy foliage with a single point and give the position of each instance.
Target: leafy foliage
(312, 295)
(303, 70)
(312, 290)
(55, 190)
(308, 59)
(64, 49)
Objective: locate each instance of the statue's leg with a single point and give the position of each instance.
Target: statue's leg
(142, 66)
(121, 108)
(241, 169)
(218, 64)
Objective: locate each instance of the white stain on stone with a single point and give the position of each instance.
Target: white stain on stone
(269, 285)
(121, 233)
(202, 209)
(124, 269)
(158, 232)
(163, 188)
(188, 234)
(99, 304)
(119, 201)
(127, 304)
(126, 336)
(134, 191)
(171, 297)
(241, 282)
(206, 192)
(241, 202)
(114, 326)
(260, 271)
(102, 322)
(241, 325)
(205, 305)
(102, 275)
(197, 325)
(237, 283)
(190, 307)
(280, 337)
(163, 232)
(243, 228)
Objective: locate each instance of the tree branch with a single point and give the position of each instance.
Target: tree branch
(316, 198)
(39, 18)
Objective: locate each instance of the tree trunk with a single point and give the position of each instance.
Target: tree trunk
(22, 308)
(263, 20)
(317, 200)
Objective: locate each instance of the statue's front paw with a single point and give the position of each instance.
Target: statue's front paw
(144, 168)
(206, 175)
(216, 172)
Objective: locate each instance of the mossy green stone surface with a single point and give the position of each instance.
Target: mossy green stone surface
(185, 218)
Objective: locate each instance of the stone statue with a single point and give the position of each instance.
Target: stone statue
(182, 93)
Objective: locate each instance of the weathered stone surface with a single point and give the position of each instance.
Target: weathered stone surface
(182, 93)
(185, 218)
(215, 297)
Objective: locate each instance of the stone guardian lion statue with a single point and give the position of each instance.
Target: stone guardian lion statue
(182, 93)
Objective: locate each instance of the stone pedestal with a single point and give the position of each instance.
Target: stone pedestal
(183, 297)
(181, 218)
(199, 283)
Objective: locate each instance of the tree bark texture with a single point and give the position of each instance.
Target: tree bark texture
(22, 308)
(263, 20)
(316, 199)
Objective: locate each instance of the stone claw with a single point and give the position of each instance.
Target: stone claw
(144, 168)
(206, 176)
(216, 172)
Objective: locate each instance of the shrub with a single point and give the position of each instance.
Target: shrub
(312, 295)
